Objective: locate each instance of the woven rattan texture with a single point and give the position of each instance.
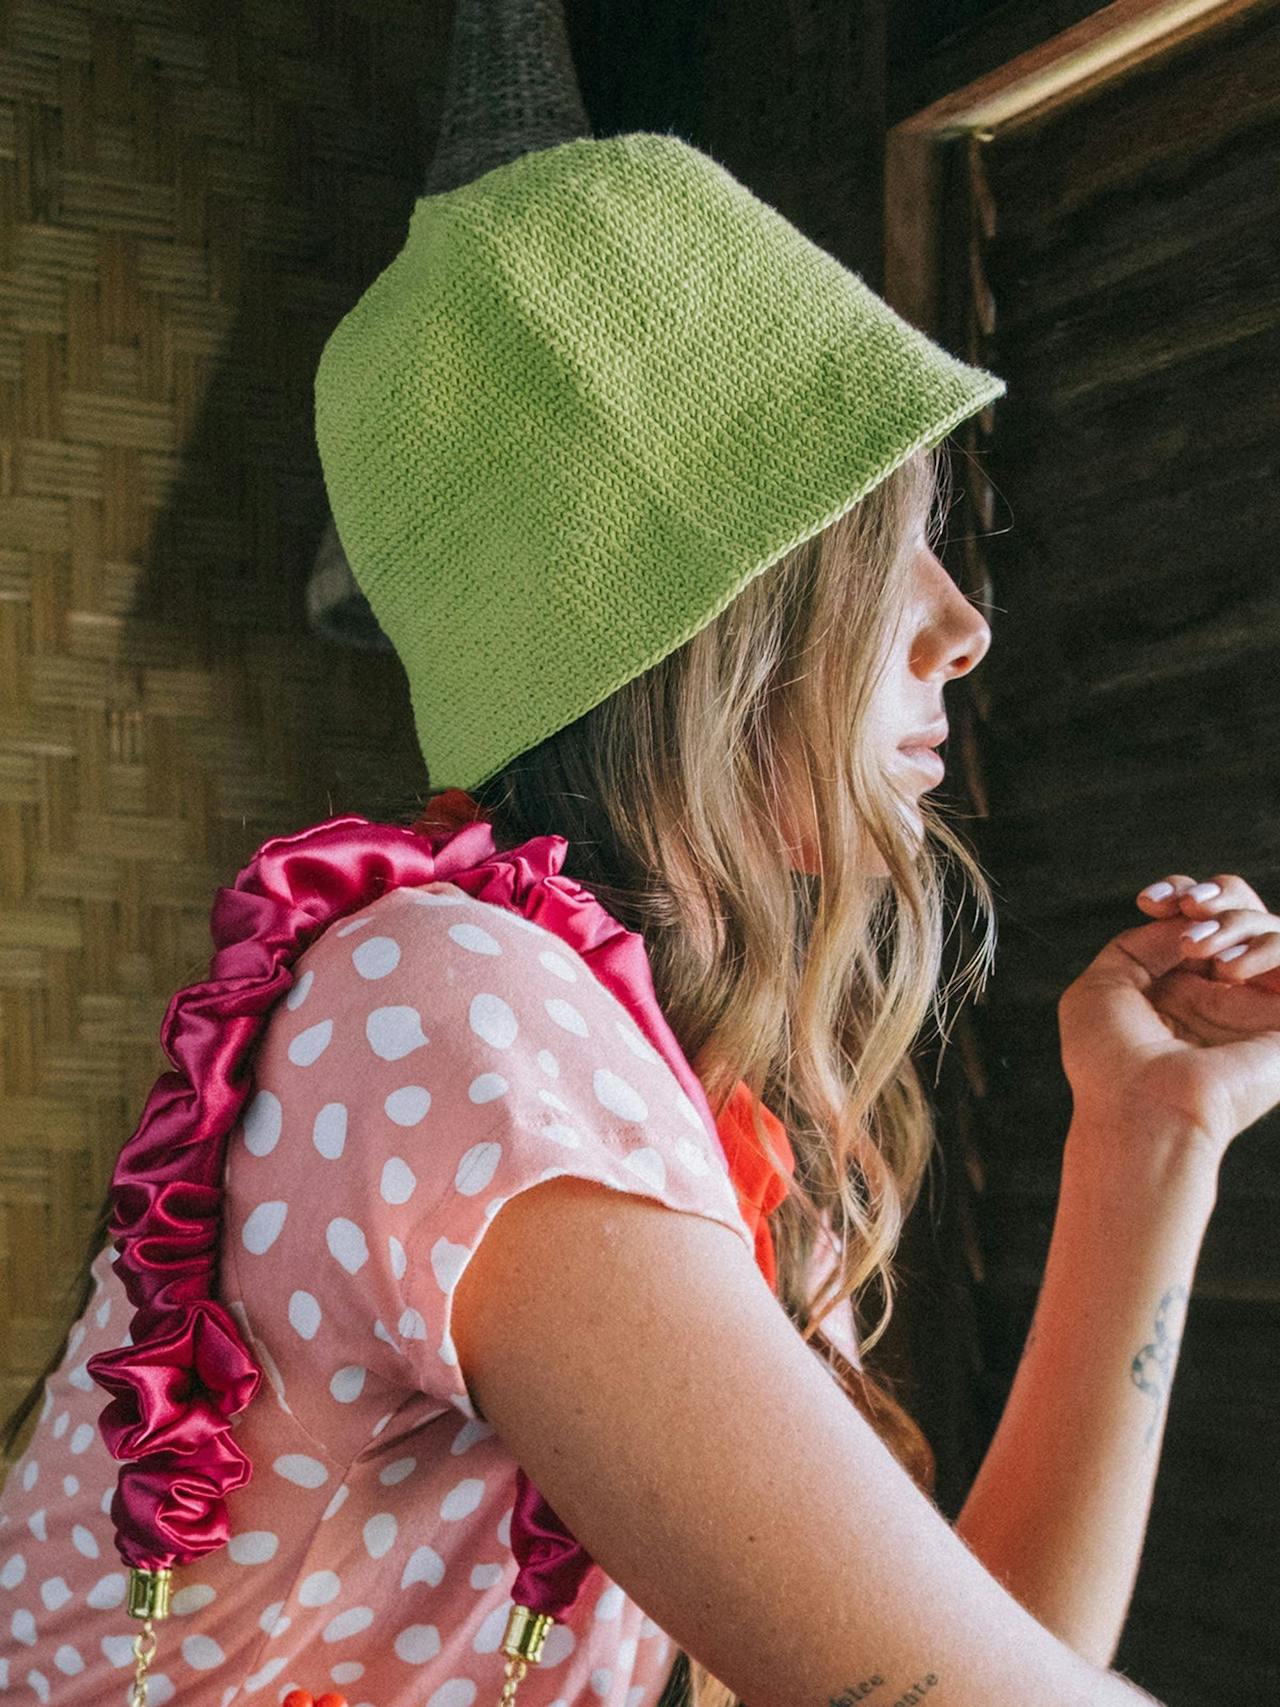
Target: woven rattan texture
(190, 198)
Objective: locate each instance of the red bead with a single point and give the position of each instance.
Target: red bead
(331, 1699)
(298, 1698)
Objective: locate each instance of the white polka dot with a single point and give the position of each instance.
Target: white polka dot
(492, 1020)
(273, 1619)
(380, 1333)
(194, 1597)
(304, 1472)
(304, 1314)
(84, 1541)
(398, 1180)
(15, 1569)
(39, 1682)
(462, 1499)
(408, 1105)
(560, 1133)
(348, 1382)
(348, 1623)
(424, 1565)
(417, 1643)
(648, 1164)
(694, 1158)
(411, 1325)
(347, 1672)
(637, 1044)
(457, 1692)
(601, 1681)
(475, 938)
(29, 1473)
(102, 1314)
(347, 1243)
(486, 1087)
(319, 1588)
(610, 1602)
(492, 1629)
(202, 1652)
(469, 1433)
(300, 991)
(262, 1123)
(55, 1593)
(104, 1504)
(74, 1338)
(118, 1650)
(624, 1655)
(71, 1486)
(619, 1097)
(399, 1262)
(23, 1626)
(636, 1695)
(253, 1546)
(447, 1263)
(83, 1436)
(394, 1032)
(353, 925)
(396, 1471)
(309, 1045)
(60, 1424)
(485, 1576)
(376, 956)
(448, 1352)
(382, 1423)
(566, 1016)
(503, 1531)
(267, 1674)
(558, 1644)
(329, 1130)
(337, 1500)
(690, 1113)
(477, 1167)
(547, 1061)
(380, 1534)
(36, 1523)
(68, 1660)
(262, 1226)
(553, 1101)
(649, 1628)
(557, 964)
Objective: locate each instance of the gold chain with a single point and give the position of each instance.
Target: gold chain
(144, 1657)
(515, 1670)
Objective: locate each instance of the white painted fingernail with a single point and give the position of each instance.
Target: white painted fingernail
(1232, 953)
(1158, 891)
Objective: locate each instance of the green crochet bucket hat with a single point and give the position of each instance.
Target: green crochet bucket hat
(599, 389)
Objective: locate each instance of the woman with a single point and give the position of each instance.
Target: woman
(663, 943)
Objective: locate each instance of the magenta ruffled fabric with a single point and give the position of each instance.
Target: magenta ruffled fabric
(187, 1370)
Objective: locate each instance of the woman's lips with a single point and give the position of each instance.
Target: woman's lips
(926, 760)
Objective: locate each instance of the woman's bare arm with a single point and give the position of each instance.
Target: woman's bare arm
(1058, 1510)
(637, 1365)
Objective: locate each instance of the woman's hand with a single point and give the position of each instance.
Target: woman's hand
(1163, 1043)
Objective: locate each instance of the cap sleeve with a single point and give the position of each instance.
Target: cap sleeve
(507, 1062)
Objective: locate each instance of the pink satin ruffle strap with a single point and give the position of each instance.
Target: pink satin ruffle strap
(187, 1371)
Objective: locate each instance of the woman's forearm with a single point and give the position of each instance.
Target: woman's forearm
(1059, 1507)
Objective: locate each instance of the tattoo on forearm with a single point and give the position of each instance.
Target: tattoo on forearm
(1152, 1369)
(863, 1691)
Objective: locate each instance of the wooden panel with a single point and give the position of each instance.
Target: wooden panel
(1124, 254)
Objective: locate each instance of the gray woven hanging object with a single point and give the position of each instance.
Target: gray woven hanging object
(512, 88)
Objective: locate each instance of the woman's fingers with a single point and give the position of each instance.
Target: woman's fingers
(1233, 891)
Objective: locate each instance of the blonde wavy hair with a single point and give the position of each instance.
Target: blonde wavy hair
(812, 987)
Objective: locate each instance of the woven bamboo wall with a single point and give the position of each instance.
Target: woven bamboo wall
(190, 198)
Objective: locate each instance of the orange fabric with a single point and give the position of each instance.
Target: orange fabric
(756, 1179)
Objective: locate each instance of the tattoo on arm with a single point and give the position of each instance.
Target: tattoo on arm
(1152, 1369)
(855, 1692)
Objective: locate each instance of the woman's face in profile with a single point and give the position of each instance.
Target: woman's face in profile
(942, 636)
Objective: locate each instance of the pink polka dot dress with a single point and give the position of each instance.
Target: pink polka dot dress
(436, 1055)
